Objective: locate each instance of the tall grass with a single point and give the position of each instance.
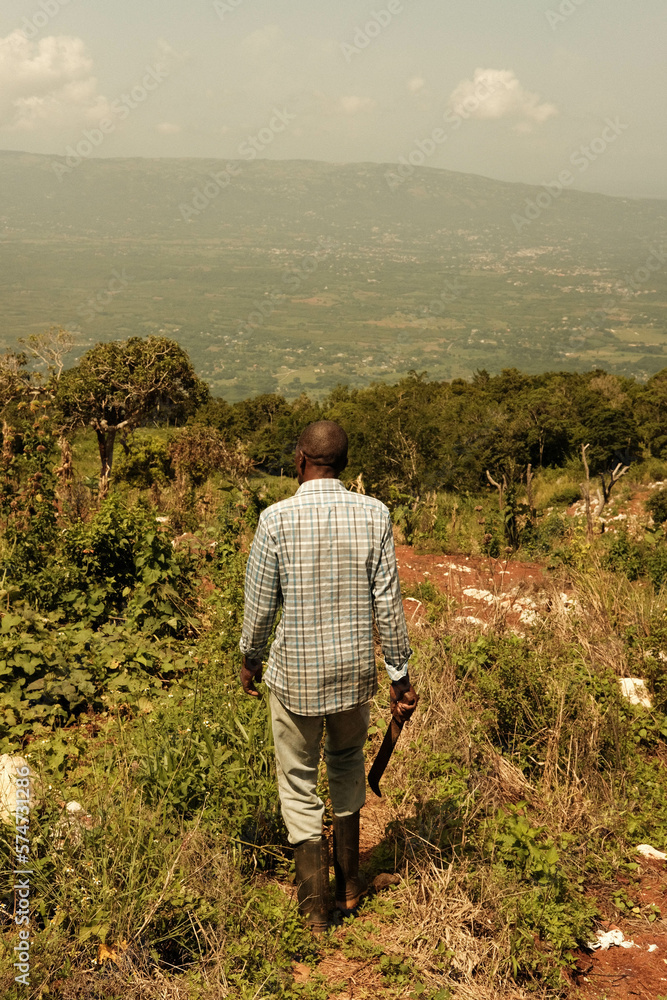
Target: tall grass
(524, 748)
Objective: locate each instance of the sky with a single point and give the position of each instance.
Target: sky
(518, 90)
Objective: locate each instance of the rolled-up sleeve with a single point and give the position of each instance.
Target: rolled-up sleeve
(262, 593)
(388, 610)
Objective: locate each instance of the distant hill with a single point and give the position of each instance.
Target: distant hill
(142, 197)
(359, 272)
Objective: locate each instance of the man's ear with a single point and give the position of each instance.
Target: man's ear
(300, 461)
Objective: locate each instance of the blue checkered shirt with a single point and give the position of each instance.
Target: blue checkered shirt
(327, 555)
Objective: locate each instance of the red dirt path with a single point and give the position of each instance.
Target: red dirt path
(501, 586)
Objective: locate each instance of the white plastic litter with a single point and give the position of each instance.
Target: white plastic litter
(605, 940)
(635, 690)
(652, 947)
(658, 656)
(651, 852)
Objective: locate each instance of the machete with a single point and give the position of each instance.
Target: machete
(383, 755)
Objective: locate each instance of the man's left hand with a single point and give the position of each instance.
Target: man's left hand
(251, 671)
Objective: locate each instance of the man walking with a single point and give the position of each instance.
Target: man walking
(327, 556)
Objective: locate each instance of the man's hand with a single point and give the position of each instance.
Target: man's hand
(403, 699)
(251, 671)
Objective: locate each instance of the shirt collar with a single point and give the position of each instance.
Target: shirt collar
(321, 486)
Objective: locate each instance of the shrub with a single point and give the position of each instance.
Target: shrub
(656, 565)
(549, 915)
(540, 537)
(146, 464)
(624, 555)
(197, 451)
(637, 559)
(656, 505)
(565, 495)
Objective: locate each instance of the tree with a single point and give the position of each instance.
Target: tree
(652, 414)
(15, 388)
(116, 387)
(197, 451)
(48, 350)
(604, 492)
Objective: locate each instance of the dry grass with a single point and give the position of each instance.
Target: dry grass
(443, 901)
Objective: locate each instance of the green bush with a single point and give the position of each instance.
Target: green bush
(541, 536)
(524, 699)
(222, 764)
(121, 562)
(565, 496)
(638, 559)
(29, 509)
(146, 464)
(547, 912)
(656, 565)
(624, 555)
(656, 505)
(51, 670)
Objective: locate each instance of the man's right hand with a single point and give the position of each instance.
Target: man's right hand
(403, 699)
(251, 671)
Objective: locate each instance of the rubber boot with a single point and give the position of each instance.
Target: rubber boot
(311, 859)
(349, 886)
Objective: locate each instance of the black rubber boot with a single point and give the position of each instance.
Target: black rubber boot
(311, 859)
(349, 886)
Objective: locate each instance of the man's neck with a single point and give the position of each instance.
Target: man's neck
(316, 473)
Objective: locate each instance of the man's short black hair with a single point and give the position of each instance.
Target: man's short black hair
(324, 443)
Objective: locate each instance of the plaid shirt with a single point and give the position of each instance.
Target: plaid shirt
(328, 556)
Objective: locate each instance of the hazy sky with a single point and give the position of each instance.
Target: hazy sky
(510, 89)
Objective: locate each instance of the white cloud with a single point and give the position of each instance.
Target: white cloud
(50, 80)
(416, 84)
(265, 41)
(353, 105)
(495, 94)
(168, 128)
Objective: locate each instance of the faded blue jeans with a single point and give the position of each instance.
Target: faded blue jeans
(297, 741)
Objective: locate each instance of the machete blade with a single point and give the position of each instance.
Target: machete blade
(383, 755)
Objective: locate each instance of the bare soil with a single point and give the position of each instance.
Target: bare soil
(481, 589)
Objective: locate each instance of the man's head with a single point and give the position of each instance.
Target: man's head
(321, 451)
